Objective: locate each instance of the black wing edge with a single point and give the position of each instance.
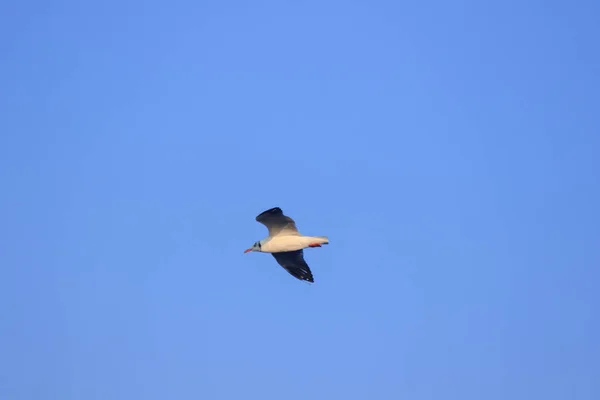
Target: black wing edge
(294, 263)
(270, 211)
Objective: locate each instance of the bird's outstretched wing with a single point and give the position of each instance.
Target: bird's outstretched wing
(293, 262)
(277, 223)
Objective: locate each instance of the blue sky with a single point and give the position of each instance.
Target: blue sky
(449, 151)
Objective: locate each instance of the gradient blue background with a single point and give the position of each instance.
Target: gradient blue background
(450, 150)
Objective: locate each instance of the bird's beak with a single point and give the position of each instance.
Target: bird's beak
(247, 251)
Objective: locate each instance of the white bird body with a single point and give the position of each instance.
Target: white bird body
(281, 243)
(286, 244)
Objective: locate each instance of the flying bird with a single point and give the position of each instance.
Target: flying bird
(286, 244)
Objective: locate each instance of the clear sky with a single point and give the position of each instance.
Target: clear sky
(450, 151)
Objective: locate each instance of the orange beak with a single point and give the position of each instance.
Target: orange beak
(246, 251)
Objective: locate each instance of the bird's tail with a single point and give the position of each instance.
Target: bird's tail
(325, 239)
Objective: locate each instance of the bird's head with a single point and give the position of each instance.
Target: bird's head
(255, 247)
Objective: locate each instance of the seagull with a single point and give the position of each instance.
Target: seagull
(286, 244)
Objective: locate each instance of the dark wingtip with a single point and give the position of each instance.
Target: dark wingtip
(307, 277)
(274, 210)
(303, 275)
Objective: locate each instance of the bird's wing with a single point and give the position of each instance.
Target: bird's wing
(277, 223)
(293, 262)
